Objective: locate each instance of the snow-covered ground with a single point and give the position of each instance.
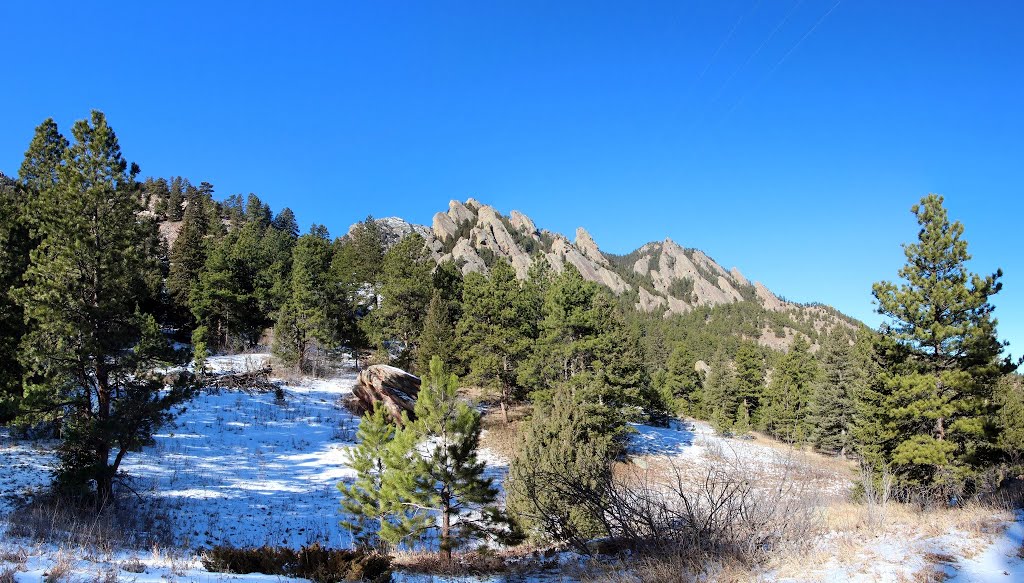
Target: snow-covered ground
(243, 469)
(235, 468)
(247, 469)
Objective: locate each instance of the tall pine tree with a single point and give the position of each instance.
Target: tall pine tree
(941, 357)
(90, 349)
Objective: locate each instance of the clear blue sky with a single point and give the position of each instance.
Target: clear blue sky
(786, 138)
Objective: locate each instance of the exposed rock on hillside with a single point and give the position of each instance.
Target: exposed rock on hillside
(661, 275)
(391, 386)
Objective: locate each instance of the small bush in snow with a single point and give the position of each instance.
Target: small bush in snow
(312, 562)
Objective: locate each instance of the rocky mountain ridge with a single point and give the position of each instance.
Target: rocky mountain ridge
(662, 274)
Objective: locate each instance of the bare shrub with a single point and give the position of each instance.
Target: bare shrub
(7, 574)
(131, 523)
(133, 565)
(312, 562)
(60, 570)
(876, 491)
(735, 513)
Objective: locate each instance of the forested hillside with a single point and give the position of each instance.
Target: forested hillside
(109, 282)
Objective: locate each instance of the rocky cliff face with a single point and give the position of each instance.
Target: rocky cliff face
(660, 275)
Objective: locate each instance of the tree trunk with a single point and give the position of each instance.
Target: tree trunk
(104, 479)
(504, 411)
(446, 544)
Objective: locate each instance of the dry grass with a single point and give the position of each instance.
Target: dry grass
(501, 437)
(61, 569)
(7, 574)
(128, 523)
(840, 466)
(466, 563)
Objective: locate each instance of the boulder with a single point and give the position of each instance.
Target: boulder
(389, 385)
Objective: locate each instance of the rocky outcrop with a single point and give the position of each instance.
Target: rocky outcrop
(585, 243)
(443, 226)
(562, 252)
(388, 385)
(663, 274)
(523, 224)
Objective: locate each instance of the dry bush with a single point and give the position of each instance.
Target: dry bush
(480, 562)
(126, 523)
(312, 562)
(18, 556)
(60, 570)
(133, 565)
(7, 574)
(727, 515)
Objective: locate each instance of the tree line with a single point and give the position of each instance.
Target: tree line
(92, 290)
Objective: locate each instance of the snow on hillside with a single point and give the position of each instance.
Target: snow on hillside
(245, 469)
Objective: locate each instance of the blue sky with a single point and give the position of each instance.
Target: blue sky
(786, 138)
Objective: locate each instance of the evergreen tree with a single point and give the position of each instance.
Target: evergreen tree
(39, 172)
(742, 425)
(788, 394)
(940, 355)
(361, 254)
(1009, 421)
(188, 256)
(447, 480)
(830, 411)
(681, 377)
(749, 376)
(175, 198)
(720, 395)
(304, 322)
(582, 334)
(14, 251)
(285, 222)
(563, 450)
(361, 500)
(90, 349)
(438, 337)
(406, 288)
(496, 330)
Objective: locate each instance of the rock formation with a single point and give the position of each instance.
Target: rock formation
(661, 275)
(391, 386)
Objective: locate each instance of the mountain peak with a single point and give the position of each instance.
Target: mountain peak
(662, 275)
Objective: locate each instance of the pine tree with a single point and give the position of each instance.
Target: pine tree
(1009, 398)
(90, 350)
(682, 378)
(742, 425)
(14, 251)
(563, 451)
(438, 337)
(406, 288)
(830, 410)
(720, 395)
(447, 480)
(188, 256)
(750, 367)
(304, 322)
(361, 500)
(496, 331)
(940, 355)
(176, 198)
(788, 394)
